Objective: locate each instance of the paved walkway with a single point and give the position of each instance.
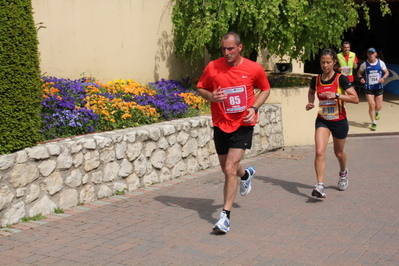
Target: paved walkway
(278, 223)
(359, 120)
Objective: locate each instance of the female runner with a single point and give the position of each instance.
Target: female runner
(333, 90)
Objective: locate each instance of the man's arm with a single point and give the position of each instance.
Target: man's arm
(261, 98)
(386, 74)
(360, 76)
(355, 61)
(354, 65)
(216, 96)
(204, 94)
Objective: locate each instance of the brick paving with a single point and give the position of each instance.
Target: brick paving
(278, 223)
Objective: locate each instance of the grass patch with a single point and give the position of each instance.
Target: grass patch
(58, 210)
(37, 217)
(121, 192)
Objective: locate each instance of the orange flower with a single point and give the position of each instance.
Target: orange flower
(125, 116)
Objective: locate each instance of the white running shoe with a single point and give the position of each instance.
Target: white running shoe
(318, 191)
(246, 185)
(343, 180)
(223, 225)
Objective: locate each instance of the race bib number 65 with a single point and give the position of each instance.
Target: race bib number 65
(236, 101)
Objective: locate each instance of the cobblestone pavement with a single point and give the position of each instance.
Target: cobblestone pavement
(278, 223)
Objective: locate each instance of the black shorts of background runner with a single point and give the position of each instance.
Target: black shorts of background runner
(239, 139)
(339, 129)
(377, 92)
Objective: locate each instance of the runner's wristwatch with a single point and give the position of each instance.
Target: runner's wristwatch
(337, 95)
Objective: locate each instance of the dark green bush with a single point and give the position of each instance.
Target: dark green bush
(19, 77)
(288, 81)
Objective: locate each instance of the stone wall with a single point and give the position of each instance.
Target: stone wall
(68, 172)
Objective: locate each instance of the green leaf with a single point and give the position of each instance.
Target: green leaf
(297, 28)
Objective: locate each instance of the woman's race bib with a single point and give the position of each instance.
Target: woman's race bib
(236, 101)
(328, 109)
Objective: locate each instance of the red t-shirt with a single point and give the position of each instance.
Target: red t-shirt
(239, 83)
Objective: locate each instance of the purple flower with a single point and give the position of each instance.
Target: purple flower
(65, 113)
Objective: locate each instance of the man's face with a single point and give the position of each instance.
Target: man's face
(372, 56)
(346, 48)
(231, 51)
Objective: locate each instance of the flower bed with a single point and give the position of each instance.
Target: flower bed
(75, 107)
(81, 106)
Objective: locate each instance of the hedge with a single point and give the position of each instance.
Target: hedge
(20, 89)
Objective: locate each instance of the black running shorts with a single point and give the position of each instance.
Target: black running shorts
(339, 129)
(377, 92)
(239, 139)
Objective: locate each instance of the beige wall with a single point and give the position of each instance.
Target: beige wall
(298, 124)
(108, 39)
(132, 39)
(111, 39)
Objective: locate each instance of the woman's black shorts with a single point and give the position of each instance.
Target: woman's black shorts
(339, 129)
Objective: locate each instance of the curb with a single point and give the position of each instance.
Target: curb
(373, 134)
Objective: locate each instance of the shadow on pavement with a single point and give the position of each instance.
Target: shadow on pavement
(392, 102)
(204, 207)
(356, 124)
(291, 187)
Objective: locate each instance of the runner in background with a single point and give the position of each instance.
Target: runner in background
(372, 74)
(347, 61)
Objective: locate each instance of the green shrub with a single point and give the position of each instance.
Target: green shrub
(288, 81)
(19, 77)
